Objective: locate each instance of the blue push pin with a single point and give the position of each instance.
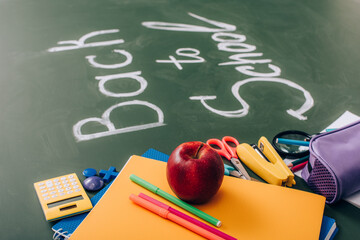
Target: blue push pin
(109, 174)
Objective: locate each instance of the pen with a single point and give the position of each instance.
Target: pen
(186, 217)
(175, 200)
(162, 212)
(298, 161)
(292, 142)
(298, 167)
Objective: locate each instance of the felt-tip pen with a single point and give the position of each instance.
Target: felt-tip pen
(292, 142)
(175, 200)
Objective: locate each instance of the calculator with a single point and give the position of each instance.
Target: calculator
(62, 197)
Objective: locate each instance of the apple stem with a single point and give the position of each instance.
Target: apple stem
(197, 152)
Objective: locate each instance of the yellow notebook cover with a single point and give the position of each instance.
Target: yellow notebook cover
(247, 210)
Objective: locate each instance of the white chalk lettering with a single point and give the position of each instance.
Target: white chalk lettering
(76, 44)
(218, 37)
(184, 52)
(133, 75)
(309, 102)
(105, 121)
(236, 47)
(91, 59)
(232, 42)
(190, 28)
(246, 70)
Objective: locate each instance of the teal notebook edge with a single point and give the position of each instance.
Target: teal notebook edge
(65, 227)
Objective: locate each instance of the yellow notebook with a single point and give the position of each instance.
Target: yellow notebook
(247, 210)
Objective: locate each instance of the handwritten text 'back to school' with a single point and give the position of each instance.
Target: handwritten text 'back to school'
(244, 59)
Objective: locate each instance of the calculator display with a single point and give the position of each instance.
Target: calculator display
(68, 200)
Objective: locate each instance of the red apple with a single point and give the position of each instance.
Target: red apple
(195, 172)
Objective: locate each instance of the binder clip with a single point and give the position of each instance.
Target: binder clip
(266, 162)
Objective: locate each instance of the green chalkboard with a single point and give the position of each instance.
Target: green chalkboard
(90, 83)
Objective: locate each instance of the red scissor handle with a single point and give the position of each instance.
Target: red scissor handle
(231, 149)
(222, 151)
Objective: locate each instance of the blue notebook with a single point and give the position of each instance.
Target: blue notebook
(328, 228)
(65, 227)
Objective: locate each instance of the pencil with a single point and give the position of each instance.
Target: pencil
(187, 217)
(162, 212)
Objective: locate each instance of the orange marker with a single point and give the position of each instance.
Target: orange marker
(162, 212)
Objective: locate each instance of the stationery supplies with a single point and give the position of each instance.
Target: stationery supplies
(292, 142)
(89, 172)
(62, 197)
(156, 155)
(247, 209)
(162, 212)
(188, 218)
(93, 183)
(299, 167)
(108, 175)
(65, 227)
(266, 163)
(225, 149)
(334, 164)
(230, 171)
(291, 150)
(298, 161)
(328, 229)
(175, 200)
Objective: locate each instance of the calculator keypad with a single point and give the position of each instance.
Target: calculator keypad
(51, 189)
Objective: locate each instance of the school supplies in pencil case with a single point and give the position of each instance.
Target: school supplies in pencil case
(334, 164)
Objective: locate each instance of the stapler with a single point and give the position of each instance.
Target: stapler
(263, 160)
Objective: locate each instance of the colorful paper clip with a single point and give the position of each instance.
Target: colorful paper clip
(266, 162)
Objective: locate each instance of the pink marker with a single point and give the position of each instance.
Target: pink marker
(186, 217)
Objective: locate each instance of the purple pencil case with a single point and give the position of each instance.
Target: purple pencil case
(334, 164)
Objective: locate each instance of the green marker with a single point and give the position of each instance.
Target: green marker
(300, 160)
(175, 200)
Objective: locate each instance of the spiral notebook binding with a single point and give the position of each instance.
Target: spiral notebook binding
(60, 234)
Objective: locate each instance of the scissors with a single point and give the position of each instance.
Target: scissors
(227, 149)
